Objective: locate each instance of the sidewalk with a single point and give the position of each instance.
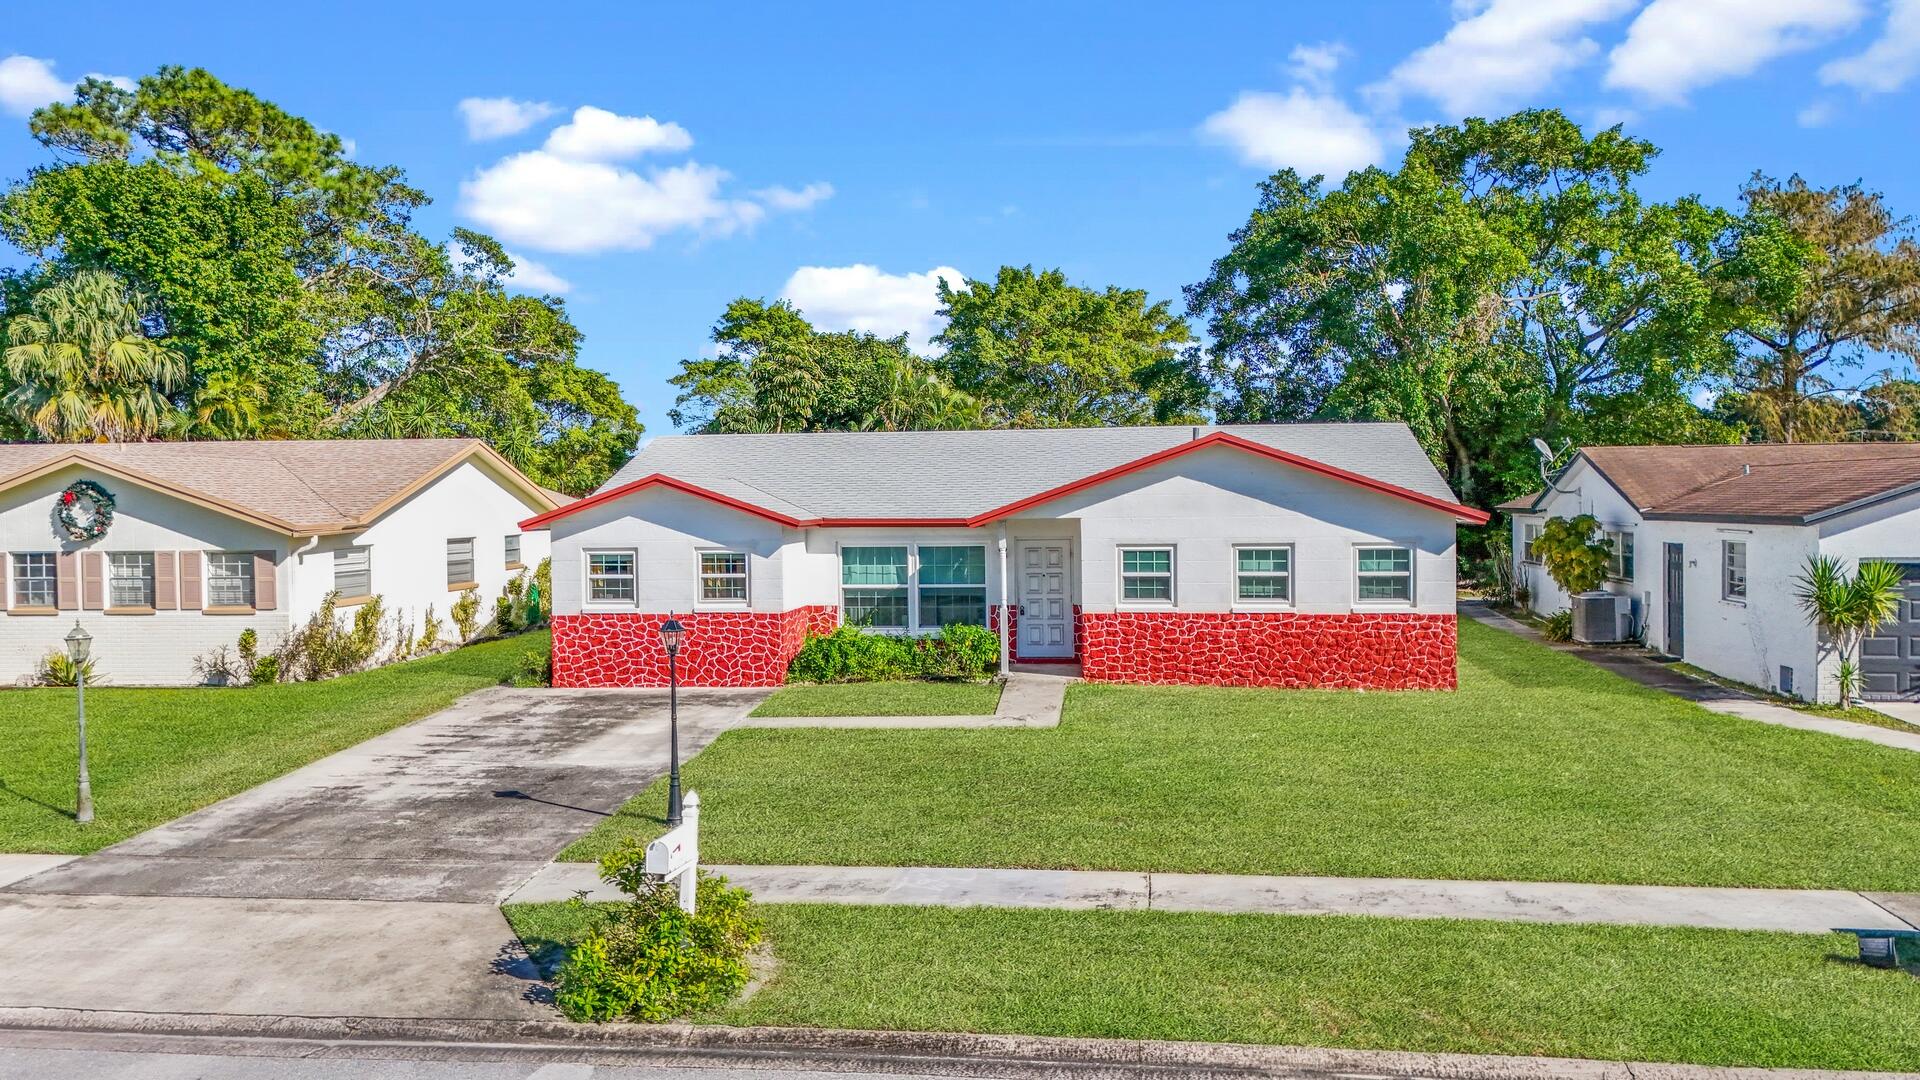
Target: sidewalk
(1810, 911)
(1030, 699)
(1633, 664)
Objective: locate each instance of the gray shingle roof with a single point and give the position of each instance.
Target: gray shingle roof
(963, 473)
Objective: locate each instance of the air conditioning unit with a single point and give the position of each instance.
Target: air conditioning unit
(1602, 618)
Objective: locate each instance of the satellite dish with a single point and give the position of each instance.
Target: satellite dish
(1546, 451)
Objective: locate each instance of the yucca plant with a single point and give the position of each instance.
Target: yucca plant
(1847, 608)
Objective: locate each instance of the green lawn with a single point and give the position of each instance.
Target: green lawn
(1541, 767)
(1636, 993)
(157, 754)
(884, 699)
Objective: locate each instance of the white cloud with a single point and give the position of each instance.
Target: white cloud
(1499, 52)
(779, 197)
(27, 83)
(494, 118)
(1816, 114)
(1674, 47)
(120, 81)
(556, 204)
(1308, 131)
(1313, 65)
(532, 276)
(598, 135)
(865, 298)
(1887, 64)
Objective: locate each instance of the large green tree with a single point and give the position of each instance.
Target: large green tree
(291, 279)
(1037, 350)
(1505, 282)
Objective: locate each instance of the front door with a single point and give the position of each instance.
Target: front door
(1890, 659)
(1676, 600)
(1046, 601)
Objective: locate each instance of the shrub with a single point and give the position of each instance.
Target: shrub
(217, 667)
(535, 669)
(249, 647)
(849, 654)
(540, 595)
(429, 631)
(466, 614)
(649, 960)
(57, 669)
(976, 647)
(1558, 626)
(324, 648)
(265, 671)
(1575, 557)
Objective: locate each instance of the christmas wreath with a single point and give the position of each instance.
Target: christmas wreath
(95, 526)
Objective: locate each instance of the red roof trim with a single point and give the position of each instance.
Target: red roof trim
(1218, 438)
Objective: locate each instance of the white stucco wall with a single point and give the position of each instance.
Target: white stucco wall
(666, 529)
(155, 648)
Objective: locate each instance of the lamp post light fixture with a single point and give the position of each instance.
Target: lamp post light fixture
(670, 634)
(79, 647)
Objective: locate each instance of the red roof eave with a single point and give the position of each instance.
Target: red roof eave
(1466, 514)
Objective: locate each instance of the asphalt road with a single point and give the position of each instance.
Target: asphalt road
(37, 1064)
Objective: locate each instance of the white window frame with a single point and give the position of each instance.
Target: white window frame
(586, 578)
(112, 601)
(840, 582)
(511, 548)
(252, 586)
(1120, 597)
(1726, 572)
(914, 583)
(366, 552)
(1413, 584)
(700, 576)
(1619, 551)
(18, 600)
(1262, 602)
(472, 579)
(1529, 536)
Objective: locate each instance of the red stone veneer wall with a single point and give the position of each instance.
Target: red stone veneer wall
(1373, 651)
(722, 648)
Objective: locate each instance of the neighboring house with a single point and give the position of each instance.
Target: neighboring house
(1709, 540)
(1270, 555)
(211, 538)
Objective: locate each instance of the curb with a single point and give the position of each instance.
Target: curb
(822, 1049)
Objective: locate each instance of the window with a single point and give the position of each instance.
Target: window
(1620, 557)
(33, 580)
(873, 587)
(230, 580)
(513, 551)
(459, 562)
(1733, 569)
(1530, 535)
(610, 577)
(723, 577)
(953, 586)
(1263, 574)
(130, 579)
(1383, 573)
(353, 571)
(1146, 575)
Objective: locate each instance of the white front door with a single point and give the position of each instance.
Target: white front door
(1046, 600)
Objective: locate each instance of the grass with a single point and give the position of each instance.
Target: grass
(1714, 997)
(1858, 714)
(884, 699)
(156, 754)
(1541, 767)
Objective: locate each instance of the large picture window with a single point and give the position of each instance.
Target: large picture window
(34, 580)
(1383, 574)
(610, 577)
(130, 579)
(873, 587)
(1263, 575)
(230, 580)
(953, 585)
(1146, 575)
(723, 577)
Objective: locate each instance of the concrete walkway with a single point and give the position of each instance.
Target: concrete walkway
(364, 884)
(1637, 665)
(1031, 698)
(1798, 910)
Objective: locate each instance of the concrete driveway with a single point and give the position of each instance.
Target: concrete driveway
(365, 884)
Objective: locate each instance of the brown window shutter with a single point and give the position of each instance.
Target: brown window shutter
(67, 582)
(163, 588)
(263, 581)
(93, 580)
(189, 581)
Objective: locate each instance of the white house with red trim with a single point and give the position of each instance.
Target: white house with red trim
(1301, 555)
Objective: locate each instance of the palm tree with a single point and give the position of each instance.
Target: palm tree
(83, 367)
(1848, 608)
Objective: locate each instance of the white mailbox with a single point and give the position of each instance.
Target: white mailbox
(675, 857)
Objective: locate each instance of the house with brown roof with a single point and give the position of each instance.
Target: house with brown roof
(166, 551)
(1709, 540)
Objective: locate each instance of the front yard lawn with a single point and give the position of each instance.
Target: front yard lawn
(1541, 767)
(1636, 993)
(884, 699)
(157, 754)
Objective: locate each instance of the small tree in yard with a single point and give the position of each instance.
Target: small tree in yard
(1847, 608)
(1574, 558)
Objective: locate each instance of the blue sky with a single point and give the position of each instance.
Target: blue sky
(845, 154)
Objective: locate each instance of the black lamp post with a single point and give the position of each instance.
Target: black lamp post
(79, 647)
(670, 634)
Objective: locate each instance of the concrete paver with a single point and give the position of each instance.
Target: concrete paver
(16, 867)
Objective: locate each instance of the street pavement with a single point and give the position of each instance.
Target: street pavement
(55, 1064)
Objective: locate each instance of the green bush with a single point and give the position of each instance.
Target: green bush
(466, 615)
(535, 668)
(850, 654)
(648, 960)
(265, 671)
(1558, 626)
(57, 669)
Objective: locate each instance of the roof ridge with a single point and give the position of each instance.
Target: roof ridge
(315, 492)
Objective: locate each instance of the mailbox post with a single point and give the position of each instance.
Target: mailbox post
(675, 857)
